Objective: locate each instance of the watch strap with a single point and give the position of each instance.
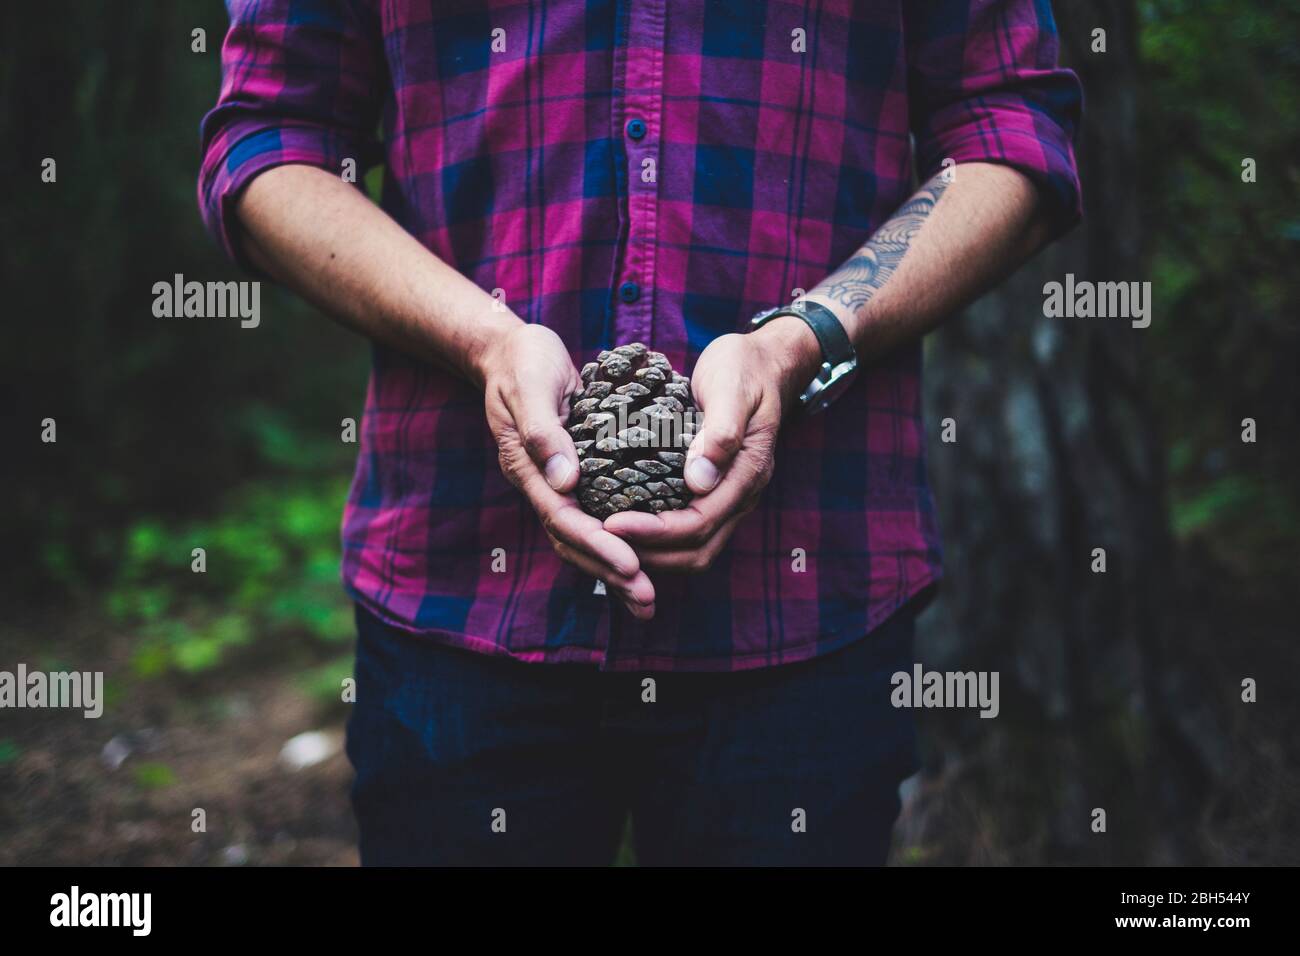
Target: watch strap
(835, 344)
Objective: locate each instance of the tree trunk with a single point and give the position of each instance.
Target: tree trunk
(1057, 454)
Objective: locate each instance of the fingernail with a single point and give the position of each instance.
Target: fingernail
(637, 609)
(557, 470)
(701, 473)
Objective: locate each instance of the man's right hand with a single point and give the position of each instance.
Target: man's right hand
(323, 237)
(527, 382)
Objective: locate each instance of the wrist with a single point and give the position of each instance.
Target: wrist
(793, 352)
(484, 351)
(847, 317)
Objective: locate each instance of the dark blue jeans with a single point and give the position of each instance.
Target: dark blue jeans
(465, 759)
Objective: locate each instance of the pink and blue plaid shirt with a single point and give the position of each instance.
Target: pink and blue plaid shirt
(641, 171)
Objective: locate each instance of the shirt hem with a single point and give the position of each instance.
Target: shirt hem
(571, 654)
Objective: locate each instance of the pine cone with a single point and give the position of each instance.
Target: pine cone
(632, 423)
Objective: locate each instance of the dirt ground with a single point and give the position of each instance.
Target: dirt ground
(124, 789)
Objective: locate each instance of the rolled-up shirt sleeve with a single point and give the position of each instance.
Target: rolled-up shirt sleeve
(302, 81)
(985, 86)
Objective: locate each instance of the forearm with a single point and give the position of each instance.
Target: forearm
(943, 247)
(322, 238)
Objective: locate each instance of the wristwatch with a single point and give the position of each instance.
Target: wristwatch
(839, 359)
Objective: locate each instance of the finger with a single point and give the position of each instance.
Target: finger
(636, 593)
(636, 588)
(541, 431)
(639, 612)
(692, 526)
(642, 612)
(582, 533)
(585, 534)
(726, 416)
(690, 559)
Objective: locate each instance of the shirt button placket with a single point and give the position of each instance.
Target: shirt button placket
(642, 111)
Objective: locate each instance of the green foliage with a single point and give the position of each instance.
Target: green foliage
(324, 684)
(157, 417)
(1261, 509)
(153, 776)
(9, 752)
(271, 558)
(1222, 83)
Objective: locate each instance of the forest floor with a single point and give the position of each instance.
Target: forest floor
(123, 789)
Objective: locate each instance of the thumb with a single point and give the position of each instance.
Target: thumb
(549, 446)
(717, 442)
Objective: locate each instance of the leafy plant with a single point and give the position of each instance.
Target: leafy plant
(271, 562)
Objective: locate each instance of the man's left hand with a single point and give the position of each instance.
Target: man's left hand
(743, 385)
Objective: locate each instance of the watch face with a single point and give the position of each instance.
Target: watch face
(817, 399)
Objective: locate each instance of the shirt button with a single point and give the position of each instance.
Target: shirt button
(629, 292)
(636, 128)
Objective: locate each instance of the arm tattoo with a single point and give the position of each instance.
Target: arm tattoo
(854, 283)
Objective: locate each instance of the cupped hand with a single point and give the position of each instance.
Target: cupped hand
(528, 380)
(743, 385)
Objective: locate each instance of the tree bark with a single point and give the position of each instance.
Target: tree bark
(1057, 454)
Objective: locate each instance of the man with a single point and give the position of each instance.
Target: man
(563, 178)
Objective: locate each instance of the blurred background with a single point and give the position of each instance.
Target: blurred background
(1119, 690)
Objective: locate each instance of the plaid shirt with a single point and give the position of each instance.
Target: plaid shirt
(648, 171)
